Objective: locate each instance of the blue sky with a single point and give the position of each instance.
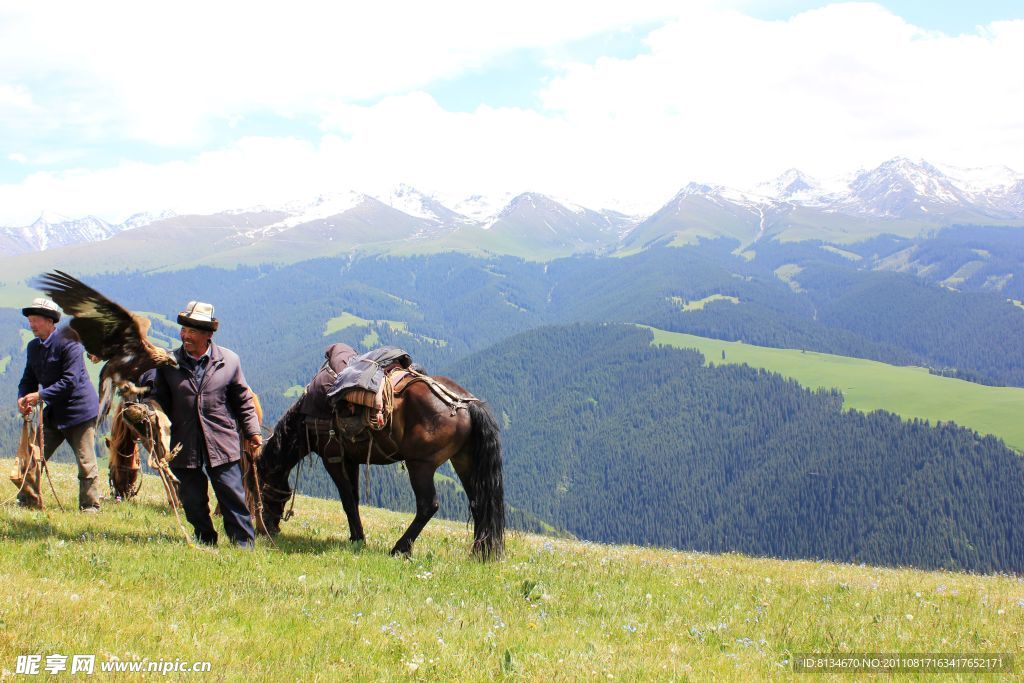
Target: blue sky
(113, 108)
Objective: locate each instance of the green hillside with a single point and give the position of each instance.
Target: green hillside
(869, 385)
(123, 586)
(617, 440)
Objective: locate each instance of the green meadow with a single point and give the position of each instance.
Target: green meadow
(867, 385)
(371, 339)
(124, 586)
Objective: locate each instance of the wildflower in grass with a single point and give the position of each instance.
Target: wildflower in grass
(302, 578)
(391, 629)
(908, 617)
(940, 589)
(629, 628)
(414, 662)
(1020, 603)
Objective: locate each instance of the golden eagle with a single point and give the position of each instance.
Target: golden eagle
(108, 331)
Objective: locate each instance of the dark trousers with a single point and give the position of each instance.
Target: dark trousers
(227, 486)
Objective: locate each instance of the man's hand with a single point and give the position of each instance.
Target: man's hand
(254, 444)
(27, 402)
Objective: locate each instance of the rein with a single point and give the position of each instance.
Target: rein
(158, 458)
(38, 461)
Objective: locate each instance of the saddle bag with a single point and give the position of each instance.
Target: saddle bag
(314, 400)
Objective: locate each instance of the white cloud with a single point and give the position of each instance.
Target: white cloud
(159, 73)
(728, 98)
(718, 97)
(15, 96)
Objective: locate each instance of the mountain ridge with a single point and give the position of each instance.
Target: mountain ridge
(899, 197)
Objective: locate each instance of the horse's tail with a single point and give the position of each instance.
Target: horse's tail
(488, 487)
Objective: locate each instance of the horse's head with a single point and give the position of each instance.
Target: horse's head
(287, 445)
(274, 487)
(124, 458)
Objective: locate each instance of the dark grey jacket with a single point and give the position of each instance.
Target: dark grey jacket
(206, 419)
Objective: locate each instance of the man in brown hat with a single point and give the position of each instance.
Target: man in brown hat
(55, 375)
(209, 403)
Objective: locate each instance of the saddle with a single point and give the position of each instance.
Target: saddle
(362, 382)
(353, 395)
(366, 381)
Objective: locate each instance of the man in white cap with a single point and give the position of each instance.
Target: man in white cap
(209, 403)
(55, 375)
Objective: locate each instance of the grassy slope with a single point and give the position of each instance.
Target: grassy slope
(123, 584)
(870, 385)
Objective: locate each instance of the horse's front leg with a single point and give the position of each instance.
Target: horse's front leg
(345, 476)
(421, 476)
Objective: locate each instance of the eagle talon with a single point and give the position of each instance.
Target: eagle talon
(129, 390)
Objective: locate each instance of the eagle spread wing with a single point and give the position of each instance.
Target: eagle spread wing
(108, 330)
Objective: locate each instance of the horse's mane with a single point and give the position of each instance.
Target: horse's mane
(121, 435)
(285, 447)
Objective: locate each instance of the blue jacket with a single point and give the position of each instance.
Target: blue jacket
(56, 369)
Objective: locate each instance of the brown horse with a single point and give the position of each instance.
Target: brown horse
(433, 420)
(152, 428)
(125, 462)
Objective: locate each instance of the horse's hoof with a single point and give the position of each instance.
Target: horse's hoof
(357, 543)
(401, 552)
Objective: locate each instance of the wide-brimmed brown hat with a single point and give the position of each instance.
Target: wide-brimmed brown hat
(198, 315)
(43, 307)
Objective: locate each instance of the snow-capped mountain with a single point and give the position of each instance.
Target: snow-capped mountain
(411, 201)
(900, 188)
(52, 230)
(793, 185)
(896, 189)
(898, 195)
(541, 219)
